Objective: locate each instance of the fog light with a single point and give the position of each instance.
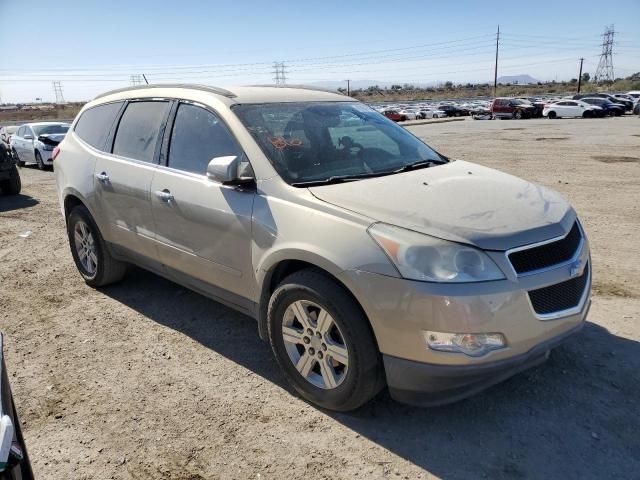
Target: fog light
(471, 344)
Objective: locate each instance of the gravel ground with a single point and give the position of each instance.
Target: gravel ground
(147, 380)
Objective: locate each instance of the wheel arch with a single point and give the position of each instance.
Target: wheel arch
(281, 268)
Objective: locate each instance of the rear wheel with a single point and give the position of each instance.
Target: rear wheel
(323, 342)
(19, 162)
(89, 250)
(517, 115)
(552, 115)
(587, 114)
(12, 185)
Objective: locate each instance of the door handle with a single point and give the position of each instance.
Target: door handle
(102, 177)
(164, 195)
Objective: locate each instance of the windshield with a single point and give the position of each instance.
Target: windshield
(49, 129)
(314, 141)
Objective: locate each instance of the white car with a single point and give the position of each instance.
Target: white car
(570, 108)
(432, 113)
(409, 113)
(7, 132)
(34, 142)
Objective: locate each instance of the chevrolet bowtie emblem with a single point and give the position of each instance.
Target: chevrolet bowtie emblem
(576, 268)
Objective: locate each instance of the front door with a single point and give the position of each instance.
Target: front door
(123, 178)
(202, 228)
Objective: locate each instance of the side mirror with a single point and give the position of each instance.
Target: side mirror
(28, 137)
(230, 170)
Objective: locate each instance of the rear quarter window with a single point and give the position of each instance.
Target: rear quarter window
(94, 124)
(139, 129)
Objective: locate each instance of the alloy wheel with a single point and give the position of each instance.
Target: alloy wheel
(85, 247)
(315, 344)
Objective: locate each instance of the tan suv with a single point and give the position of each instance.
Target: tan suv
(366, 257)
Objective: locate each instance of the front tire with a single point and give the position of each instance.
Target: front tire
(517, 115)
(12, 185)
(39, 161)
(552, 115)
(323, 342)
(89, 250)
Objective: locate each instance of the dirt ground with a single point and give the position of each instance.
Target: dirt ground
(147, 380)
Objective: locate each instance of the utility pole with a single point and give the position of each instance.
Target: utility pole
(604, 73)
(348, 88)
(57, 89)
(580, 75)
(495, 73)
(145, 79)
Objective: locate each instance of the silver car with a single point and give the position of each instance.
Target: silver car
(366, 257)
(35, 142)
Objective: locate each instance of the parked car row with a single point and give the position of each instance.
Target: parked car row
(590, 105)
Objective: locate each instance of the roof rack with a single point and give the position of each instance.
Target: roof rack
(205, 88)
(302, 87)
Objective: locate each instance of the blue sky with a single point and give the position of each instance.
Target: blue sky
(93, 46)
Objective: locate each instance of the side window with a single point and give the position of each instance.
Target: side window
(572, 104)
(138, 130)
(94, 124)
(20, 132)
(198, 136)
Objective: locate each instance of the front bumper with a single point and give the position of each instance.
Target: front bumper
(426, 385)
(402, 311)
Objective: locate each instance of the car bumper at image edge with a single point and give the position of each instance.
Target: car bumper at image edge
(430, 385)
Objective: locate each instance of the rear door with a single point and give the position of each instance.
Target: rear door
(203, 228)
(27, 154)
(123, 177)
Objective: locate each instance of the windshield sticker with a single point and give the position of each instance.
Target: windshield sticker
(280, 143)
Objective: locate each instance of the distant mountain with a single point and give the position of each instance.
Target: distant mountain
(518, 79)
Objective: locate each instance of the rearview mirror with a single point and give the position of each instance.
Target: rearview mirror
(230, 170)
(28, 137)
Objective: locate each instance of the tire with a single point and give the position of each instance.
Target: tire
(18, 161)
(12, 185)
(587, 114)
(39, 161)
(517, 115)
(352, 384)
(552, 115)
(457, 114)
(403, 118)
(107, 269)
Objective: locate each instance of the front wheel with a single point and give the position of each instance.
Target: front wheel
(323, 342)
(12, 185)
(552, 115)
(517, 115)
(89, 250)
(39, 161)
(587, 114)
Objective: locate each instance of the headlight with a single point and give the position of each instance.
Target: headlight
(430, 259)
(47, 147)
(471, 344)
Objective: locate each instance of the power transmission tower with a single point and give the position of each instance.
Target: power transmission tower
(280, 73)
(136, 80)
(57, 89)
(495, 72)
(604, 72)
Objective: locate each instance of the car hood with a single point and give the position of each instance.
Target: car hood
(52, 138)
(459, 201)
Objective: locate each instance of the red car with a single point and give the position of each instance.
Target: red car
(394, 115)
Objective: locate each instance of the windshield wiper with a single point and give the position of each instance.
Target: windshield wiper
(417, 165)
(337, 179)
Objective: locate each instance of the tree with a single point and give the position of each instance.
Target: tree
(448, 85)
(396, 87)
(573, 81)
(586, 77)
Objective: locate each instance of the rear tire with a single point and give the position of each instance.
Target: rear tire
(517, 115)
(587, 114)
(18, 161)
(355, 379)
(552, 115)
(97, 267)
(12, 185)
